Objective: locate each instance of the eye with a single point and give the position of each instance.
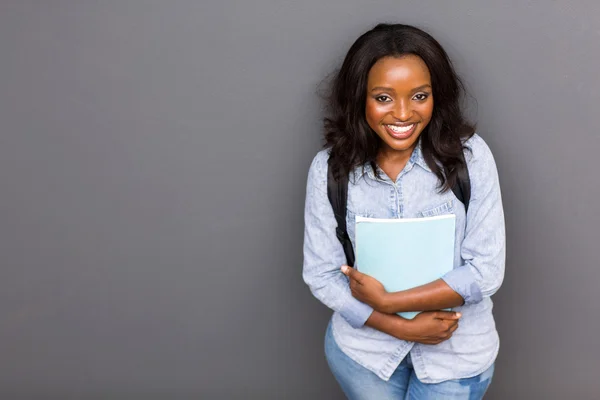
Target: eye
(421, 96)
(383, 98)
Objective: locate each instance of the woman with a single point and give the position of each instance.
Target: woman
(396, 130)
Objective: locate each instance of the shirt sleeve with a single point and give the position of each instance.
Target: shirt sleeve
(484, 245)
(323, 253)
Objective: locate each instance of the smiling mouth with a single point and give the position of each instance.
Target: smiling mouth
(400, 131)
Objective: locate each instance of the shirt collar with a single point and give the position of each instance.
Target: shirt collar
(415, 158)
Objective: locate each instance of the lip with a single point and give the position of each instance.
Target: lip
(400, 135)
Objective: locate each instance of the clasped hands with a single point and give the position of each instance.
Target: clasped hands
(429, 327)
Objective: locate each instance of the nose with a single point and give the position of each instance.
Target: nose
(403, 110)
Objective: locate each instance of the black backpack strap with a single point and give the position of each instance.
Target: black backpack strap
(462, 187)
(337, 192)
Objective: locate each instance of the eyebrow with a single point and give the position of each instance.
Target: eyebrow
(389, 89)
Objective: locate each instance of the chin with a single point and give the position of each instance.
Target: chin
(403, 144)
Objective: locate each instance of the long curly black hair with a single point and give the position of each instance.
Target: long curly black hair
(352, 141)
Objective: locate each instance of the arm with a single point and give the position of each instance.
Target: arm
(483, 252)
(323, 253)
(484, 245)
(430, 327)
(436, 295)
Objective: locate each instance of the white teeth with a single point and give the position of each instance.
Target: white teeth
(400, 129)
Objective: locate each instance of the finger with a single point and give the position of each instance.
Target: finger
(352, 273)
(355, 286)
(447, 315)
(453, 328)
(352, 285)
(452, 321)
(450, 324)
(451, 332)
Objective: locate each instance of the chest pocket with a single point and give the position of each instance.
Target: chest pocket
(444, 208)
(351, 219)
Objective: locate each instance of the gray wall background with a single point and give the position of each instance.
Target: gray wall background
(153, 159)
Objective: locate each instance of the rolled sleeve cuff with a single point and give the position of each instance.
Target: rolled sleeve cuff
(462, 281)
(356, 312)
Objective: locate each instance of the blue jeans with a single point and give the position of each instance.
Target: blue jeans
(358, 383)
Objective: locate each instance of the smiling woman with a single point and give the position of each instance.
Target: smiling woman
(396, 130)
(399, 107)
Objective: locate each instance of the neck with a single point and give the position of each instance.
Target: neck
(391, 157)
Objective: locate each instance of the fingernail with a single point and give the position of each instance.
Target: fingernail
(458, 315)
(344, 268)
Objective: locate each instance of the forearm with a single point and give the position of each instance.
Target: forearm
(436, 295)
(393, 325)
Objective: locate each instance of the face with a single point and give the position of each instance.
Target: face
(399, 102)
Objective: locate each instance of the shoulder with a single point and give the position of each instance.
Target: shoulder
(480, 163)
(321, 158)
(318, 168)
(318, 165)
(478, 152)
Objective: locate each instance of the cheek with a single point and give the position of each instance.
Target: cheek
(374, 112)
(426, 111)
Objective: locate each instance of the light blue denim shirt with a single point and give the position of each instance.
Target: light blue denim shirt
(478, 262)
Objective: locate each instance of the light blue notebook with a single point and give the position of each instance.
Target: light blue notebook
(407, 252)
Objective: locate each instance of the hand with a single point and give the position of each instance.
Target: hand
(432, 327)
(366, 288)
